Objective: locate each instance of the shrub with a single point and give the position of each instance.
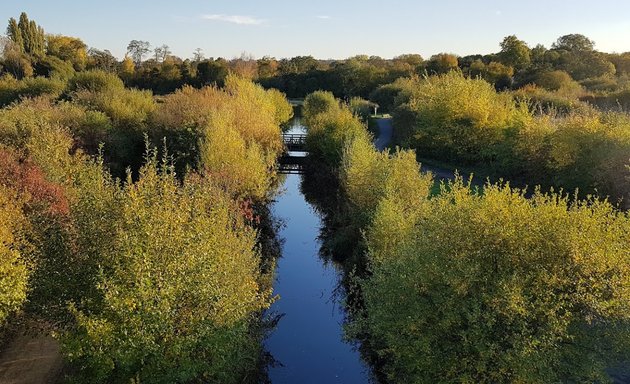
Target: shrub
(180, 290)
(54, 67)
(317, 103)
(452, 117)
(331, 126)
(361, 108)
(386, 95)
(191, 119)
(242, 170)
(589, 152)
(14, 263)
(12, 90)
(127, 108)
(556, 80)
(541, 101)
(499, 288)
(284, 110)
(95, 81)
(375, 182)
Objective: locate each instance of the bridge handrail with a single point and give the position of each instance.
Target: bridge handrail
(294, 135)
(294, 138)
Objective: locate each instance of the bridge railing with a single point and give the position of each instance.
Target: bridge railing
(294, 138)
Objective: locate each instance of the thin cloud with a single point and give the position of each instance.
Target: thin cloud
(324, 17)
(234, 19)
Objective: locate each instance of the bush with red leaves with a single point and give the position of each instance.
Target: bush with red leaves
(25, 177)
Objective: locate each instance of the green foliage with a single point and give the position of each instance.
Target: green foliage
(137, 49)
(615, 101)
(12, 90)
(557, 80)
(181, 307)
(454, 117)
(369, 177)
(498, 288)
(386, 96)
(540, 293)
(284, 110)
(95, 81)
(542, 101)
(361, 108)
(212, 72)
(442, 63)
(128, 108)
(584, 65)
(331, 126)
(359, 76)
(14, 270)
(495, 73)
(27, 35)
(88, 128)
(227, 159)
(574, 43)
(193, 121)
(69, 49)
(15, 34)
(317, 103)
(54, 67)
(591, 152)
(514, 52)
(179, 292)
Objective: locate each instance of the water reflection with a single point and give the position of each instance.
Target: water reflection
(308, 340)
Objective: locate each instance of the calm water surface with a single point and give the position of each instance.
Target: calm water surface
(308, 341)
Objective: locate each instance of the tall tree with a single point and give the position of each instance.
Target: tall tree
(515, 53)
(27, 36)
(198, 55)
(103, 60)
(162, 52)
(442, 63)
(574, 43)
(15, 34)
(69, 49)
(137, 49)
(33, 36)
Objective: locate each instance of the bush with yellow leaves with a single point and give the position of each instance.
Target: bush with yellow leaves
(497, 287)
(14, 271)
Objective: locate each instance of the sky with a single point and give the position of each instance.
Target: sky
(327, 29)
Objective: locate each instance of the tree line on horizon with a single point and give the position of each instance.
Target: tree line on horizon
(571, 62)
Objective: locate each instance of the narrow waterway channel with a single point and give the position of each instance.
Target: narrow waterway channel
(308, 340)
(308, 343)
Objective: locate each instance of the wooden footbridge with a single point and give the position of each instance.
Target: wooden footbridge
(292, 159)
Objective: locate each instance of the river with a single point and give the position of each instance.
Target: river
(308, 343)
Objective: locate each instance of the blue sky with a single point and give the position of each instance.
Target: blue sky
(328, 28)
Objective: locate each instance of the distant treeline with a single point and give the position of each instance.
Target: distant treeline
(570, 63)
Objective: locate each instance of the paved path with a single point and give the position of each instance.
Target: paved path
(385, 132)
(30, 359)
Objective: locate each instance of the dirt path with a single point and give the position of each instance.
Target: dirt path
(30, 359)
